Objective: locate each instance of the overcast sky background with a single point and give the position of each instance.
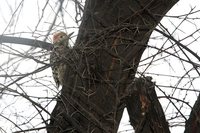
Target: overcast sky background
(25, 18)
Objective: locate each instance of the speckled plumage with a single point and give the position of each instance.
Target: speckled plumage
(60, 42)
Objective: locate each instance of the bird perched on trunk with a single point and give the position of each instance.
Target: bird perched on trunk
(57, 56)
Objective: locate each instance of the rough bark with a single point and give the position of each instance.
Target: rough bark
(145, 112)
(103, 63)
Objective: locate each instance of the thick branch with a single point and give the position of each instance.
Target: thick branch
(25, 41)
(193, 123)
(144, 109)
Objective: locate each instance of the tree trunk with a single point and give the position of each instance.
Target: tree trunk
(103, 63)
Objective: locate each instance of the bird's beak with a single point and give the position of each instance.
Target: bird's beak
(70, 34)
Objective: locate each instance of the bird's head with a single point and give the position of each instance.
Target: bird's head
(60, 37)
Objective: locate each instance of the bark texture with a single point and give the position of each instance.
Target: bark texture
(102, 66)
(145, 112)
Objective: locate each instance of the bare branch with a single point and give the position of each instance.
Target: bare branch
(25, 41)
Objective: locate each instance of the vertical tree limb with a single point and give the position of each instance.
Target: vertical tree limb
(144, 109)
(193, 123)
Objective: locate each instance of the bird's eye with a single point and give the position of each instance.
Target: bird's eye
(61, 36)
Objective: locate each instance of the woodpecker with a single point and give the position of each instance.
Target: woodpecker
(57, 56)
